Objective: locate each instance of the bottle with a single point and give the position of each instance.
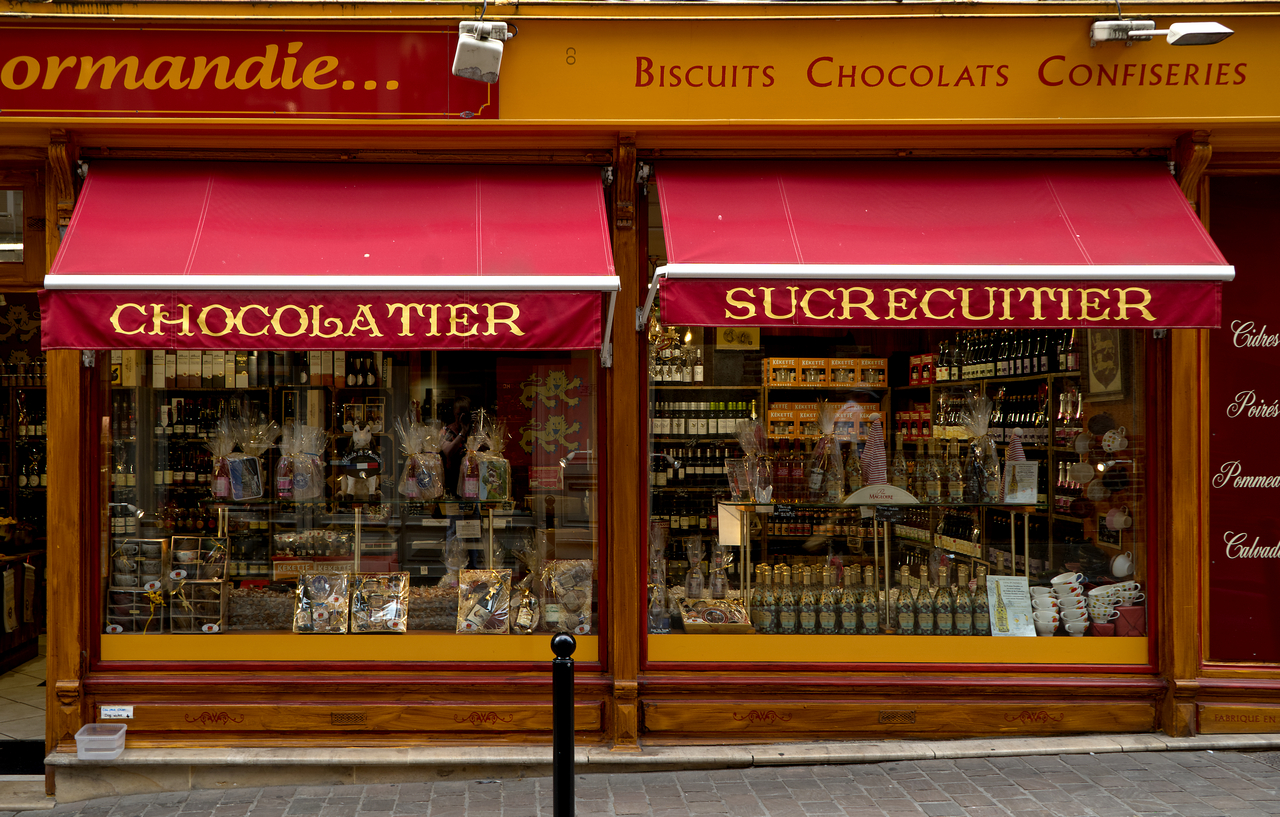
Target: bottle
(932, 476)
(1001, 611)
(943, 609)
(482, 610)
(898, 474)
(788, 617)
(963, 610)
(869, 610)
(768, 621)
(697, 366)
(850, 602)
(853, 468)
(981, 611)
(905, 607)
(924, 611)
(829, 602)
(221, 479)
(808, 603)
(284, 478)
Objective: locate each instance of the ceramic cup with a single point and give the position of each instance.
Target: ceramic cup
(1071, 589)
(1077, 629)
(185, 555)
(1046, 617)
(1131, 598)
(1121, 587)
(1103, 592)
(1064, 578)
(1081, 472)
(1097, 490)
(1081, 442)
(1041, 591)
(121, 580)
(1076, 603)
(1045, 628)
(1119, 519)
(1074, 615)
(1122, 565)
(1044, 603)
(1101, 615)
(1115, 440)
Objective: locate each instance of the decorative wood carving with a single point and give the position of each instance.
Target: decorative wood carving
(67, 692)
(62, 162)
(1192, 155)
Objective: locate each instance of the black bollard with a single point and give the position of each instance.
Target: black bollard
(563, 645)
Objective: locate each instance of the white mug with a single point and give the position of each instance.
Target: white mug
(1064, 578)
(1045, 616)
(1072, 604)
(1076, 628)
(1073, 615)
(1044, 603)
(1063, 591)
(1131, 598)
(1097, 491)
(1081, 442)
(1119, 519)
(1121, 587)
(1040, 591)
(1101, 615)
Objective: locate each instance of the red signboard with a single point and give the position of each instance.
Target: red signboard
(1244, 448)
(275, 320)
(938, 303)
(193, 71)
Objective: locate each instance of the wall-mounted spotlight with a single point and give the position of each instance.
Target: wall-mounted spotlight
(479, 53)
(1129, 31)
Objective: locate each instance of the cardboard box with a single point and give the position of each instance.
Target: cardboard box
(783, 371)
(914, 378)
(781, 420)
(807, 420)
(928, 368)
(842, 370)
(873, 371)
(813, 371)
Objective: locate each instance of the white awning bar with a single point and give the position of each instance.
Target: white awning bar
(408, 283)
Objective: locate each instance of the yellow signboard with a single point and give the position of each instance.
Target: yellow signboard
(867, 71)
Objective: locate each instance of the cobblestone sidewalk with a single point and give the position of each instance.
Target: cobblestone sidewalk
(1188, 784)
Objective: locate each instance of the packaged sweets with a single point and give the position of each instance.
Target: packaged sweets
(423, 477)
(198, 607)
(751, 436)
(495, 471)
(824, 469)
(321, 603)
(526, 607)
(469, 472)
(309, 444)
(245, 469)
(982, 460)
(568, 585)
(483, 598)
(380, 603)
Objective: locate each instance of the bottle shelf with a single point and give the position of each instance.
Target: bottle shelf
(655, 385)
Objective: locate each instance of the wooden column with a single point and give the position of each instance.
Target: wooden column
(625, 458)
(72, 526)
(1179, 634)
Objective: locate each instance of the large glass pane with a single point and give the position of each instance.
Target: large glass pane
(354, 491)
(1018, 458)
(11, 225)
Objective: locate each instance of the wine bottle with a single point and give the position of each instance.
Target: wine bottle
(906, 610)
(981, 611)
(924, 611)
(788, 618)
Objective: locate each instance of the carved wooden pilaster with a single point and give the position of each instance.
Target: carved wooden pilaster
(1192, 155)
(63, 158)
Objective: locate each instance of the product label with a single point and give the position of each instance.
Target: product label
(871, 622)
(787, 618)
(828, 621)
(982, 623)
(808, 620)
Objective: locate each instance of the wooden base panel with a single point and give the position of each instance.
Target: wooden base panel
(1217, 718)
(457, 719)
(786, 719)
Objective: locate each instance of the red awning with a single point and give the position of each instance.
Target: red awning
(286, 256)
(922, 243)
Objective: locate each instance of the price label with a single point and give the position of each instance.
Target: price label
(469, 528)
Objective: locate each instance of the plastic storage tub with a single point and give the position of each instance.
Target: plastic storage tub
(100, 741)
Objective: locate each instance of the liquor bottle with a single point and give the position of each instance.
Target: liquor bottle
(944, 621)
(1001, 611)
(898, 474)
(372, 376)
(697, 366)
(221, 479)
(905, 607)
(768, 620)
(1073, 351)
(808, 603)
(850, 602)
(955, 475)
(788, 615)
(757, 598)
(932, 475)
(924, 611)
(829, 602)
(963, 610)
(869, 610)
(981, 611)
(853, 468)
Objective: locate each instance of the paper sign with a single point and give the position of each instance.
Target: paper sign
(1009, 598)
(112, 713)
(468, 529)
(1020, 481)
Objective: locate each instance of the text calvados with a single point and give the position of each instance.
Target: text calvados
(318, 320)
(952, 304)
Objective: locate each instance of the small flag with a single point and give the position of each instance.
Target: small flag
(874, 469)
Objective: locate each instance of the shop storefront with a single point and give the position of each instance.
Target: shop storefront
(788, 374)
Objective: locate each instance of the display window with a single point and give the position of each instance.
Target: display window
(351, 492)
(878, 414)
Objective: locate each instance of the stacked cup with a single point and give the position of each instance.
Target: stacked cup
(1102, 603)
(1068, 590)
(1128, 593)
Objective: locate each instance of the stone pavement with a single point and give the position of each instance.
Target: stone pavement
(1186, 784)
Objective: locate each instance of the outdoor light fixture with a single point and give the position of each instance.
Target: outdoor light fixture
(1143, 30)
(479, 53)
